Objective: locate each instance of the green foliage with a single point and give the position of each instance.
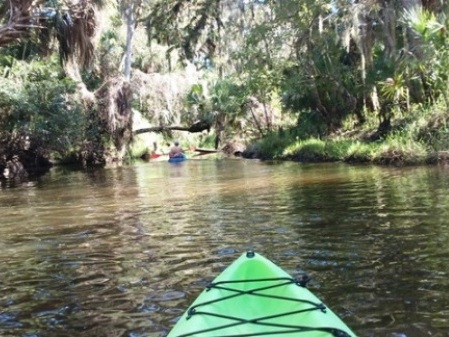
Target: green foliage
(42, 106)
(311, 124)
(207, 141)
(360, 152)
(313, 149)
(432, 127)
(227, 96)
(438, 139)
(320, 80)
(431, 60)
(399, 149)
(309, 150)
(219, 102)
(272, 146)
(337, 149)
(110, 53)
(395, 89)
(426, 24)
(189, 28)
(331, 62)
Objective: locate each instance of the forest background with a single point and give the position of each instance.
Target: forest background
(102, 82)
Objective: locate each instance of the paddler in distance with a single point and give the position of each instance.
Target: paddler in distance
(176, 151)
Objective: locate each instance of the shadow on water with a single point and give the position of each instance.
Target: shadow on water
(123, 252)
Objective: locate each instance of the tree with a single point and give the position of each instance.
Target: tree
(75, 26)
(18, 20)
(131, 11)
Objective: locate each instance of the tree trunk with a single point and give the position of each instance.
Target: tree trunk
(363, 35)
(389, 28)
(435, 6)
(256, 120)
(130, 26)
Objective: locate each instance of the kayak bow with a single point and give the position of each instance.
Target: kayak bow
(255, 297)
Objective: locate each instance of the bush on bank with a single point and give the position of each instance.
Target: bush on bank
(421, 138)
(393, 151)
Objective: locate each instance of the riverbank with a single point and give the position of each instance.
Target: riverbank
(313, 150)
(420, 139)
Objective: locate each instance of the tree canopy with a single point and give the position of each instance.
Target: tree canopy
(256, 64)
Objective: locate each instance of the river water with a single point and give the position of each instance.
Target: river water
(122, 252)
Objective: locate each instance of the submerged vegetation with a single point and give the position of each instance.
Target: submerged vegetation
(99, 82)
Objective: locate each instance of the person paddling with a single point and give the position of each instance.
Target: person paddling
(175, 151)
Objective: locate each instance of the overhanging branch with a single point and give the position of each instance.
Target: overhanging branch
(161, 129)
(195, 127)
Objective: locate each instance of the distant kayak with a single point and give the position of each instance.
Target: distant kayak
(177, 159)
(255, 297)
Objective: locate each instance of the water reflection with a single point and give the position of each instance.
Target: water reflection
(123, 252)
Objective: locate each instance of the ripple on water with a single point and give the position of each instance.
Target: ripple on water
(10, 319)
(167, 296)
(124, 252)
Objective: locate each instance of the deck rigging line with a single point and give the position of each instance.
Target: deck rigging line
(270, 284)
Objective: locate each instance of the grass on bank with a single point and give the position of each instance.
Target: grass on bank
(418, 139)
(395, 150)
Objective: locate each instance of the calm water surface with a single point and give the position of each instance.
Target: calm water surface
(122, 252)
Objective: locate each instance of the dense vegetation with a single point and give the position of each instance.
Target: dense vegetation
(363, 81)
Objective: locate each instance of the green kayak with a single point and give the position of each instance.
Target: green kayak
(255, 297)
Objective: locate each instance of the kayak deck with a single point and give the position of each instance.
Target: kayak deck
(255, 297)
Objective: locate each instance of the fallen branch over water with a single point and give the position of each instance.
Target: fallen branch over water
(196, 127)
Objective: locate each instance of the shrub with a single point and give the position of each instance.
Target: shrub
(336, 150)
(359, 152)
(400, 150)
(38, 102)
(309, 150)
(272, 146)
